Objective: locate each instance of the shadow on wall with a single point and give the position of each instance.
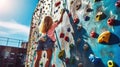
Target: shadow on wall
(117, 23)
(79, 50)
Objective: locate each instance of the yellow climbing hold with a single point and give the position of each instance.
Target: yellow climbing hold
(100, 16)
(104, 37)
(61, 53)
(110, 63)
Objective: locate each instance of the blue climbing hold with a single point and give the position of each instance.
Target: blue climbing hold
(94, 59)
(87, 18)
(68, 29)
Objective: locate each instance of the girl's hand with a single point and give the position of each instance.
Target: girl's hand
(61, 18)
(62, 11)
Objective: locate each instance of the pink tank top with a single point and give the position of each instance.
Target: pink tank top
(50, 32)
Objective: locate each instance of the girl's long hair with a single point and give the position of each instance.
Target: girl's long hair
(46, 24)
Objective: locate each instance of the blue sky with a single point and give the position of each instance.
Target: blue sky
(15, 18)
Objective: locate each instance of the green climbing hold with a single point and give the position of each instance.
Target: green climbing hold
(71, 45)
(72, 60)
(41, 63)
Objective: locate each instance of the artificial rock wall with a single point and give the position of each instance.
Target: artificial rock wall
(77, 42)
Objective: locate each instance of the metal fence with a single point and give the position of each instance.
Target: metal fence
(5, 41)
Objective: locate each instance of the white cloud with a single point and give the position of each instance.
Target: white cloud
(13, 27)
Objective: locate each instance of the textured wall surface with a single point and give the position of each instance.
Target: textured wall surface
(80, 19)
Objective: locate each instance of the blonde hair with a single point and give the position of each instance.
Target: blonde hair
(46, 24)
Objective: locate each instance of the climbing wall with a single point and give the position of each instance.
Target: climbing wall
(87, 37)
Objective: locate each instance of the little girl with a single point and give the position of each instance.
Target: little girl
(47, 39)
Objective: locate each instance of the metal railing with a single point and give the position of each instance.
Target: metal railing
(5, 41)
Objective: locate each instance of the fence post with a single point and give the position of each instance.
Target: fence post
(7, 41)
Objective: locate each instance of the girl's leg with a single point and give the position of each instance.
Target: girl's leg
(38, 57)
(49, 55)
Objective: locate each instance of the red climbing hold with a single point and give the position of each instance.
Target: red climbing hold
(53, 65)
(76, 20)
(57, 3)
(117, 4)
(93, 34)
(62, 35)
(66, 38)
(67, 60)
(111, 21)
(69, 14)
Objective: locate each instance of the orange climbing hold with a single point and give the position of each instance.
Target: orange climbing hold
(104, 37)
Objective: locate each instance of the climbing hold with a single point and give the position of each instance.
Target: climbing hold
(49, 4)
(62, 35)
(69, 14)
(100, 16)
(94, 59)
(87, 18)
(97, 0)
(56, 10)
(78, 40)
(53, 65)
(110, 63)
(43, 7)
(104, 37)
(85, 47)
(57, 3)
(79, 27)
(64, 4)
(72, 60)
(71, 2)
(43, 11)
(111, 21)
(67, 60)
(97, 60)
(41, 63)
(66, 38)
(71, 45)
(117, 4)
(80, 65)
(61, 54)
(68, 29)
(76, 20)
(78, 6)
(93, 34)
(89, 10)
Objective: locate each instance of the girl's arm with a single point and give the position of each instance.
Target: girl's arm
(61, 18)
